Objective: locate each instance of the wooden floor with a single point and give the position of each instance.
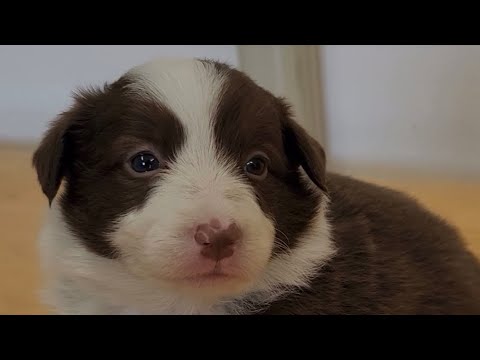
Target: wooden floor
(22, 206)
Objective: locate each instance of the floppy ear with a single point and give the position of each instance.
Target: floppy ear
(303, 149)
(52, 155)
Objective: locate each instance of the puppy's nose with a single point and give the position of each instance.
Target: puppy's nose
(217, 240)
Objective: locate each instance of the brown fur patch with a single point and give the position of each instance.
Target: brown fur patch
(394, 257)
(97, 136)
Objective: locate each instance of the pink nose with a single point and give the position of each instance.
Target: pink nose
(217, 241)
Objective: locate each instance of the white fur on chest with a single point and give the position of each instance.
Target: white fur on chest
(77, 281)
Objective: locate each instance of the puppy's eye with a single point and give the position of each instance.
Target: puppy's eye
(257, 167)
(144, 162)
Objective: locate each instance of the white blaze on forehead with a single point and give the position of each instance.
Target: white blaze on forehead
(190, 89)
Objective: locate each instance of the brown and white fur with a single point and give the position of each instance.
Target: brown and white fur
(116, 241)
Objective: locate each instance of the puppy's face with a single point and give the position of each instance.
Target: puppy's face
(187, 172)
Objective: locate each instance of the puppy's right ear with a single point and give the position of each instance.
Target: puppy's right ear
(52, 155)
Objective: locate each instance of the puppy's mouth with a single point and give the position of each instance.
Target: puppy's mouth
(208, 276)
(213, 276)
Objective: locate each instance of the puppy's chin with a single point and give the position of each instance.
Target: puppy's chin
(194, 276)
(211, 287)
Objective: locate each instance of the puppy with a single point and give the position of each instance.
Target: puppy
(189, 189)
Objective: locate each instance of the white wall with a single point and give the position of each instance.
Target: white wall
(403, 106)
(36, 81)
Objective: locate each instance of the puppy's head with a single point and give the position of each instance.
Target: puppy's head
(186, 172)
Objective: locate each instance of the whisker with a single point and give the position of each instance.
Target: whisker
(281, 245)
(282, 233)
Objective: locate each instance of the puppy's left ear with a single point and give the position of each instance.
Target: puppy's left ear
(302, 148)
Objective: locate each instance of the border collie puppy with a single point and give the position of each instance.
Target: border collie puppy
(189, 189)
